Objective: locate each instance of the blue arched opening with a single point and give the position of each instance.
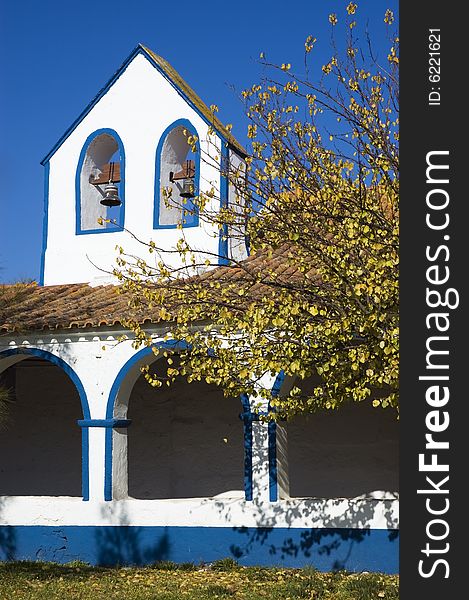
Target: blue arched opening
(172, 152)
(101, 149)
(49, 386)
(204, 411)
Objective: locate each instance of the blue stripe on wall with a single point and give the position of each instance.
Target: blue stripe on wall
(324, 549)
(273, 474)
(223, 249)
(45, 223)
(108, 464)
(85, 464)
(247, 459)
(247, 428)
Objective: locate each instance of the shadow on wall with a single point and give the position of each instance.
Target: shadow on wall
(334, 542)
(331, 547)
(337, 548)
(124, 545)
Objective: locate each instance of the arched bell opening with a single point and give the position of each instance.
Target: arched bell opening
(100, 182)
(177, 176)
(40, 441)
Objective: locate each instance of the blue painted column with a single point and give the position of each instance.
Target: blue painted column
(97, 439)
(259, 476)
(265, 449)
(265, 443)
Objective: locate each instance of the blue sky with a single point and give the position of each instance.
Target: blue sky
(56, 55)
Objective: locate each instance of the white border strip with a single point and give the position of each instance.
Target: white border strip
(355, 513)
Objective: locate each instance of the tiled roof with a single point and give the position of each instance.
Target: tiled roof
(60, 307)
(80, 305)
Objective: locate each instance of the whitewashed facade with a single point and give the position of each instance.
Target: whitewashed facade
(96, 465)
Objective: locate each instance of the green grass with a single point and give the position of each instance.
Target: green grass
(223, 580)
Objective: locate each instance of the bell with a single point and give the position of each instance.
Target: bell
(187, 190)
(111, 197)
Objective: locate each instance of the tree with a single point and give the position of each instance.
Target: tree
(318, 297)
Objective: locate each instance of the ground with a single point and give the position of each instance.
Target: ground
(166, 581)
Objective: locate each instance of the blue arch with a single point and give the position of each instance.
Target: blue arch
(120, 220)
(175, 346)
(60, 363)
(170, 345)
(192, 220)
(45, 355)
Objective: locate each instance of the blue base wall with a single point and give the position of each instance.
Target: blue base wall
(324, 549)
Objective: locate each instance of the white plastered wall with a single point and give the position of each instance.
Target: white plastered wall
(139, 106)
(184, 441)
(97, 370)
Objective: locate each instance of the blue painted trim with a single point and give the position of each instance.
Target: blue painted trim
(45, 223)
(108, 423)
(245, 416)
(108, 464)
(170, 345)
(83, 400)
(139, 49)
(192, 220)
(356, 550)
(245, 403)
(247, 425)
(248, 417)
(85, 464)
(120, 220)
(223, 251)
(278, 384)
(273, 474)
(60, 363)
(247, 243)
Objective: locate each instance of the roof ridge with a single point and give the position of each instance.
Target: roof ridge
(181, 83)
(166, 69)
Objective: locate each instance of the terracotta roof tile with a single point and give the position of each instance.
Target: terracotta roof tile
(80, 305)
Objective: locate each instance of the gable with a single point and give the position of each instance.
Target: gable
(176, 81)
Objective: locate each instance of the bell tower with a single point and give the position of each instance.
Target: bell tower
(136, 145)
